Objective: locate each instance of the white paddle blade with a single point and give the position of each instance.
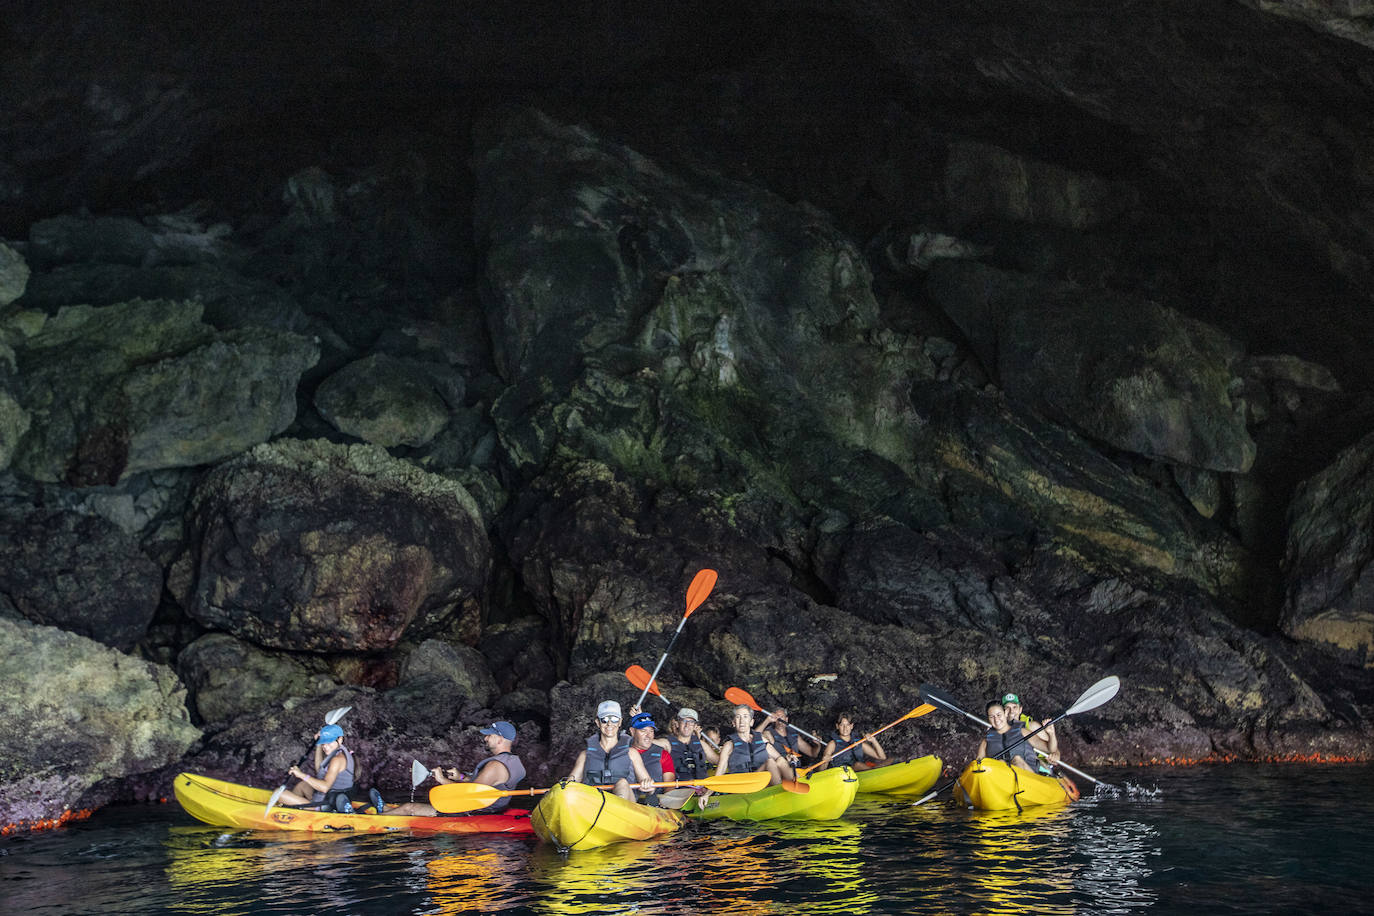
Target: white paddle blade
(272, 802)
(1096, 695)
(334, 715)
(418, 773)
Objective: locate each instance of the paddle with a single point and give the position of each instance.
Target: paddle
(330, 718)
(1091, 698)
(914, 714)
(940, 698)
(418, 774)
(469, 796)
(701, 586)
(741, 698)
(644, 680)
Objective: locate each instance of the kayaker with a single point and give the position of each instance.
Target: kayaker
(746, 751)
(791, 743)
(1006, 741)
(607, 759)
(868, 752)
(657, 760)
(329, 788)
(501, 769)
(1012, 703)
(692, 756)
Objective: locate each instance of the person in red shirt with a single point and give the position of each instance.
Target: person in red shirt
(656, 759)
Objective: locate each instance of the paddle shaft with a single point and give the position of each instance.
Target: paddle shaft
(918, 711)
(661, 659)
(986, 724)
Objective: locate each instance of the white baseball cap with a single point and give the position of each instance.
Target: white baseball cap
(688, 712)
(609, 708)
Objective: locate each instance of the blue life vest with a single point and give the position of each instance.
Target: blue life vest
(689, 759)
(343, 783)
(653, 763)
(850, 757)
(606, 767)
(746, 756)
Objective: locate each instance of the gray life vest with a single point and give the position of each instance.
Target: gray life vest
(746, 756)
(1009, 744)
(606, 767)
(652, 758)
(345, 779)
(516, 771)
(786, 743)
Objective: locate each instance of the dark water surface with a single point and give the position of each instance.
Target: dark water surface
(1223, 839)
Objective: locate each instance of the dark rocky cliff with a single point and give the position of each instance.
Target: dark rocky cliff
(415, 361)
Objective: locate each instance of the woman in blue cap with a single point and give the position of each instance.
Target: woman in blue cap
(501, 769)
(334, 769)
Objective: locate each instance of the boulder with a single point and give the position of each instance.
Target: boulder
(462, 667)
(78, 572)
(228, 677)
(77, 712)
(389, 401)
(309, 545)
(1328, 563)
(145, 385)
(1136, 375)
(14, 275)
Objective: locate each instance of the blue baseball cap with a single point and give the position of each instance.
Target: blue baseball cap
(504, 729)
(643, 720)
(330, 733)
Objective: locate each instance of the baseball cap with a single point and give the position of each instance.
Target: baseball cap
(688, 712)
(504, 729)
(643, 720)
(1011, 698)
(330, 733)
(608, 708)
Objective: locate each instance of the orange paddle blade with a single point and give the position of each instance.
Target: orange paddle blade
(701, 586)
(740, 698)
(640, 678)
(799, 788)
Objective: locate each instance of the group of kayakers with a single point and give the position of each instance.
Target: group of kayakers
(630, 761)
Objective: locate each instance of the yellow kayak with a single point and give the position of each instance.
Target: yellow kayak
(995, 785)
(227, 804)
(912, 777)
(832, 792)
(572, 815)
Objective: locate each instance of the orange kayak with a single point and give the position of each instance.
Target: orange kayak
(226, 804)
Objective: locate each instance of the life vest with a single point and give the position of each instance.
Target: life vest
(1009, 744)
(786, 743)
(688, 757)
(516, 771)
(652, 759)
(342, 784)
(746, 756)
(850, 757)
(606, 767)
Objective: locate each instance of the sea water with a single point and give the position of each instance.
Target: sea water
(1212, 839)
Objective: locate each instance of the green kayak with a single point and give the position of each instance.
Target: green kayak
(832, 792)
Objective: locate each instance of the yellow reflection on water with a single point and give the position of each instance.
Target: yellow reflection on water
(474, 881)
(1015, 856)
(594, 880)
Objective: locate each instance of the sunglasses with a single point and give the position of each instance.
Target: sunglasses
(609, 720)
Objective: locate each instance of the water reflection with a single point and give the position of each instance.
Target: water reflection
(474, 881)
(1118, 864)
(616, 878)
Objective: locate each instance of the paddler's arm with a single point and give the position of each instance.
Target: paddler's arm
(982, 749)
(827, 753)
(336, 766)
(646, 782)
(875, 749)
(579, 767)
(723, 765)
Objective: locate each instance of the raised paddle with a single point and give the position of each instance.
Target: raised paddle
(1091, 698)
(940, 698)
(701, 586)
(914, 714)
(330, 718)
(469, 796)
(741, 698)
(645, 681)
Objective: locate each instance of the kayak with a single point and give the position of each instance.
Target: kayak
(995, 785)
(912, 777)
(573, 815)
(832, 792)
(226, 804)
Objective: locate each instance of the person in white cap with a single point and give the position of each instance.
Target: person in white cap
(501, 769)
(607, 759)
